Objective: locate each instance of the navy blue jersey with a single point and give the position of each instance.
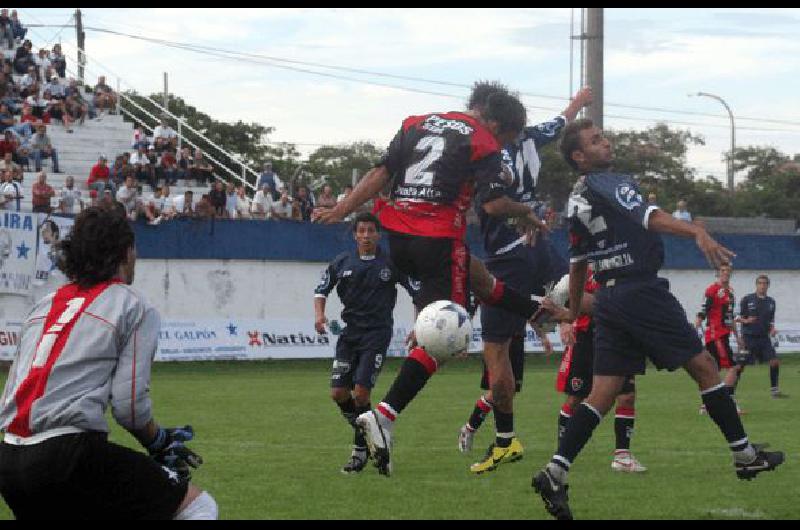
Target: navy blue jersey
(521, 165)
(754, 306)
(608, 226)
(366, 288)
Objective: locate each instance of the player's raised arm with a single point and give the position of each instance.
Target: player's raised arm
(368, 187)
(715, 253)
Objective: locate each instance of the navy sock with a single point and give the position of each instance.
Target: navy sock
(359, 440)
(722, 410)
(623, 427)
(773, 376)
(579, 431)
(504, 426)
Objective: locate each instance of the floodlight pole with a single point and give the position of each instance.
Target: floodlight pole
(733, 137)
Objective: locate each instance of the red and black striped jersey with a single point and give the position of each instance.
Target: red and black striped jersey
(718, 306)
(437, 162)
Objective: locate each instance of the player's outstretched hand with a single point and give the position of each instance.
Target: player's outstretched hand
(319, 325)
(169, 450)
(567, 332)
(557, 312)
(326, 216)
(584, 96)
(715, 253)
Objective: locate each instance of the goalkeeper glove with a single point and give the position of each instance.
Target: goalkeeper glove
(168, 449)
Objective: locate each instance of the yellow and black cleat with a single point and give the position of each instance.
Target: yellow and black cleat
(498, 455)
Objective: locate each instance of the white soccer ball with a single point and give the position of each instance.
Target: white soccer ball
(560, 293)
(443, 328)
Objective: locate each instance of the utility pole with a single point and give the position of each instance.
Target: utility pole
(594, 62)
(166, 91)
(81, 44)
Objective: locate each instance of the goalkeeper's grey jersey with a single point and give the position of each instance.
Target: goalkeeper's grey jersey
(79, 350)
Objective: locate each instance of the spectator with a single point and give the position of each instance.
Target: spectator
(168, 167)
(217, 199)
(8, 91)
(7, 122)
(271, 178)
(160, 207)
(43, 63)
(57, 110)
(167, 203)
(41, 193)
(8, 164)
(261, 207)
(282, 208)
(304, 202)
(345, 193)
(185, 164)
(17, 27)
(128, 195)
(99, 177)
(10, 193)
(651, 199)
(9, 144)
(201, 172)
(681, 213)
(139, 139)
(116, 171)
(231, 200)
(30, 79)
(204, 208)
(164, 137)
(142, 169)
(57, 90)
(28, 116)
(42, 147)
(7, 29)
(184, 205)
(70, 196)
(58, 61)
(243, 203)
(77, 106)
(38, 106)
(104, 97)
(326, 198)
(23, 58)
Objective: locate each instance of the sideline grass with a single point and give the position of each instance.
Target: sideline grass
(273, 443)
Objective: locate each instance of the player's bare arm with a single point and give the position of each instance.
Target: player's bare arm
(319, 314)
(581, 99)
(505, 206)
(372, 183)
(577, 281)
(715, 253)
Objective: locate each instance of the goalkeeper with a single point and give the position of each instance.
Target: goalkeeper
(576, 370)
(88, 345)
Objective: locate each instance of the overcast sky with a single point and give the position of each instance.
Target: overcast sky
(653, 58)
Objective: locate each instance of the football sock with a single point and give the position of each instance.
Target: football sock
(504, 426)
(563, 418)
(482, 409)
(731, 390)
(623, 426)
(722, 410)
(348, 409)
(773, 377)
(579, 430)
(359, 440)
(414, 374)
(512, 300)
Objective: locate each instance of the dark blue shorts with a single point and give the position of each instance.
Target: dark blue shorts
(359, 357)
(527, 270)
(637, 320)
(759, 348)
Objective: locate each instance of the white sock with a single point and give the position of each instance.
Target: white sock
(557, 472)
(745, 456)
(203, 508)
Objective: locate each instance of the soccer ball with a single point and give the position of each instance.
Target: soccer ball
(443, 328)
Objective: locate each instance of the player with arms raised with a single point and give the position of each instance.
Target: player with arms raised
(88, 345)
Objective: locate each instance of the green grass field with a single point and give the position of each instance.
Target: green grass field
(273, 443)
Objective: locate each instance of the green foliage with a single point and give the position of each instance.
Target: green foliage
(273, 442)
(336, 163)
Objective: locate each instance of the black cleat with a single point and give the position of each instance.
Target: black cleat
(764, 461)
(357, 462)
(553, 494)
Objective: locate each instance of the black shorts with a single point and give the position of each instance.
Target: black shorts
(527, 270)
(720, 350)
(640, 319)
(577, 368)
(441, 264)
(84, 476)
(359, 357)
(759, 348)
(516, 353)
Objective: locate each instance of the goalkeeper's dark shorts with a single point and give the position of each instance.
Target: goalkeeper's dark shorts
(84, 476)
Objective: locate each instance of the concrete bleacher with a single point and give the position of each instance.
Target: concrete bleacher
(78, 152)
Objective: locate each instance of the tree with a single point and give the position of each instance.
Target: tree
(335, 164)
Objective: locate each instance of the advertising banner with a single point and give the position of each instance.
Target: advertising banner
(17, 251)
(51, 230)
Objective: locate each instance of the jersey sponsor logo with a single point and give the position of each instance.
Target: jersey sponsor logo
(613, 262)
(345, 274)
(437, 124)
(385, 274)
(628, 197)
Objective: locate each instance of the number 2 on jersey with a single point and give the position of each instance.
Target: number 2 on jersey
(418, 174)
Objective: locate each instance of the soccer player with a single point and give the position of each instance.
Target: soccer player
(365, 281)
(575, 377)
(636, 316)
(757, 315)
(88, 345)
(523, 265)
(718, 311)
(435, 164)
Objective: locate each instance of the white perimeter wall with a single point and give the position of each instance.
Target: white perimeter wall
(271, 289)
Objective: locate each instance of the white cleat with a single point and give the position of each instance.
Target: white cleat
(379, 439)
(702, 410)
(626, 462)
(465, 438)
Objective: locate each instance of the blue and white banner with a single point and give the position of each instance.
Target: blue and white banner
(17, 251)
